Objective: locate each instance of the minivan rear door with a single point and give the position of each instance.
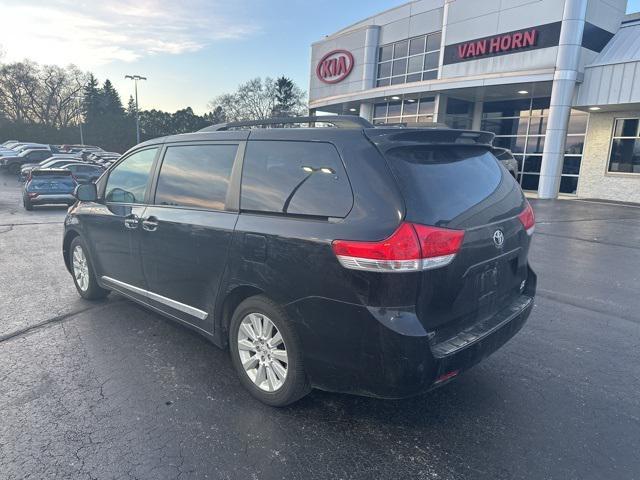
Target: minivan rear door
(187, 229)
(459, 184)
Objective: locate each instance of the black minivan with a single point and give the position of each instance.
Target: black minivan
(374, 261)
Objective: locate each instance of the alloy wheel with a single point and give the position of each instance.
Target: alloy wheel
(80, 268)
(263, 352)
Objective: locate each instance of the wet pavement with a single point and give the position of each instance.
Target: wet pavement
(110, 390)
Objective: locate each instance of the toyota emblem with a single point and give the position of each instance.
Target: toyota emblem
(498, 238)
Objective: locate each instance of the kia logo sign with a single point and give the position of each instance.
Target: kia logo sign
(335, 66)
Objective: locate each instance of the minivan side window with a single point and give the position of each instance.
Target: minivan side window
(127, 182)
(304, 178)
(195, 176)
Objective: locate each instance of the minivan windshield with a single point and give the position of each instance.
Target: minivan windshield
(441, 183)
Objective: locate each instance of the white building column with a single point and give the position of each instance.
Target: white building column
(564, 82)
(366, 111)
(440, 110)
(476, 119)
(370, 62)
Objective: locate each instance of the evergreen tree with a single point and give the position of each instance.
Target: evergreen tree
(286, 97)
(131, 107)
(111, 103)
(91, 108)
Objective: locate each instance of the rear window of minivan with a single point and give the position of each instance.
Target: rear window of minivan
(440, 183)
(298, 178)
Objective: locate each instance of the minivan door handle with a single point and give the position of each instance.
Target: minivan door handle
(150, 224)
(131, 221)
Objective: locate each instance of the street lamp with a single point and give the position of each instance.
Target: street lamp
(135, 79)
(80, 98)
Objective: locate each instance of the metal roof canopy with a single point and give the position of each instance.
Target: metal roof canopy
(612, 80)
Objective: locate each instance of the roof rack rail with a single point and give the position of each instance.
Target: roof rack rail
(338, 121)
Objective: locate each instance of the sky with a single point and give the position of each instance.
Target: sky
(189, 50)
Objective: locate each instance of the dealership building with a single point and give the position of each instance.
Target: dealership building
(557, 81)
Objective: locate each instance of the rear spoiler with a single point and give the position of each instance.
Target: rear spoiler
(385, 138)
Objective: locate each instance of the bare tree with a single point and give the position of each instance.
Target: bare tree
(44, 95)
(18, 83)
(255, 100)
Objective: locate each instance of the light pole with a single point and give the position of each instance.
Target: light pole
(135, 79)
(79, 98)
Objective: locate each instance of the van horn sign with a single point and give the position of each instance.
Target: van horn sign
(498, 44)
(335, 66)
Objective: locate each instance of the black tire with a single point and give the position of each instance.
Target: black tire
(93, 291)
(27, 204)
(296, 384)
(14, 168)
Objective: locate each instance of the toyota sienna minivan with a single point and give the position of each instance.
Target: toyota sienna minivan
(374, 261)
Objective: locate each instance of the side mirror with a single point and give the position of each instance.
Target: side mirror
(86, 192)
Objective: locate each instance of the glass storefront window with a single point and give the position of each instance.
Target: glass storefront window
(410, 110)
(577, 123)
(569, 184)
(433, 42)
(571, 165)
(505, 126)
(508, 108)
(394, 109)
(459, 113)
(537, 125)
(574, 145)
(532, 163)
(535, 145)
(522, 123)
(409, 107)
(530, 182)
(416, 45)
(410, 60)
(427, 106)
(625, 146)
(626, 127)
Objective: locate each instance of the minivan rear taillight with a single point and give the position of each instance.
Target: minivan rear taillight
(412, 247)
(528, 219)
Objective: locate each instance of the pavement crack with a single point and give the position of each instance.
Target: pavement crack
(552, 222)
(597, 242)
(29, 223)
(50, 321)
(579, 303)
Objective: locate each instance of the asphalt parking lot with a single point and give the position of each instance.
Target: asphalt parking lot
(111, 391)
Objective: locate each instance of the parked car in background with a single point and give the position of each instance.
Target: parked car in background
(31, 146)
(14, 164)
(43, 163)
(428, 267)
(507, 159)
(84, 172)
(78, 148)
(49, 187)
(52, 162)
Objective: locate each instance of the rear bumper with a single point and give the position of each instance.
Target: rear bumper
(386, 353)
(45, 199)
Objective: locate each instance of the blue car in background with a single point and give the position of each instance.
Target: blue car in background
(49, 187)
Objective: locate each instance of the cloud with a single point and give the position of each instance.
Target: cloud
(92, 33)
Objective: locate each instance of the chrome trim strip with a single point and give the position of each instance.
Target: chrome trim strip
(188, 309)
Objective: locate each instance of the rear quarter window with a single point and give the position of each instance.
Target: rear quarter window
(300, 178)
